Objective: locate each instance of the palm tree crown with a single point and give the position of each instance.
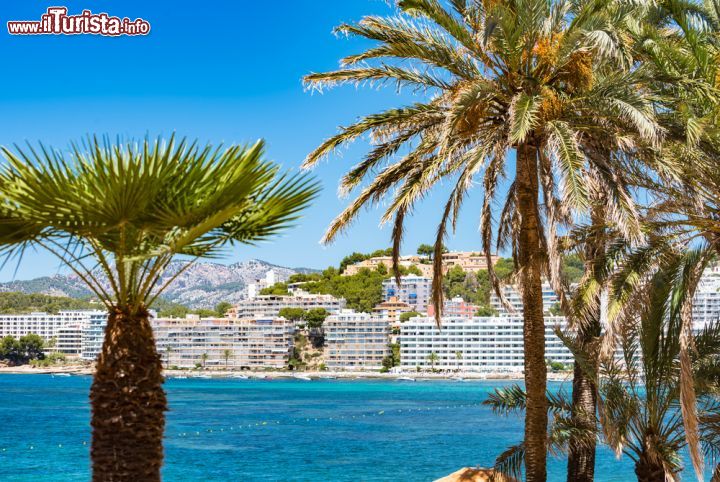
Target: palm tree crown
(555, 82)
(127, 209)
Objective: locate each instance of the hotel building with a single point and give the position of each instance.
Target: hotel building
(219, 342)
(271, 277)
(455, 308)
(467, 260)
(706, 303)
(413, 290)
(270, 305)
(355, 341)
(479, 344)
(390, 310)
(65, 328)
(515, 299)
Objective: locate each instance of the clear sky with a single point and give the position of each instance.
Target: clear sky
(221, 71)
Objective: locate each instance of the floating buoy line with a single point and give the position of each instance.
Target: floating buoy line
(259, 425)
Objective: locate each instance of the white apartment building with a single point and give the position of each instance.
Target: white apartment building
(513, 297)
(355, 341)
(65, 328)
(271, 277)
(270, 305)
(706, 303)
(413, 290)
(93, 335)
(479, 344)
(220, 342)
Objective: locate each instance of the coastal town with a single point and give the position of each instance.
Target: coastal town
(302, 331)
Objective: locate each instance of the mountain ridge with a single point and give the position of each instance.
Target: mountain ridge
(202, 285)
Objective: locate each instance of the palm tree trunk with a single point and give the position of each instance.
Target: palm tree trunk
(530, 264)
(581, 455)
(128, 402)
(649, 471)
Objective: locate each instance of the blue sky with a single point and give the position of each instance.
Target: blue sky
(220, 71)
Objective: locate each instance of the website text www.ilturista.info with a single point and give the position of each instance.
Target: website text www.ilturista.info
(56, 21)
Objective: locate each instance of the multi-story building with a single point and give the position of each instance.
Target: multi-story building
(64, 329)
(374, 263)
(220, 342)
(413, 290)
(455, 308)
(480, 344)
(706, 303)
(468, 261)
(270, 305)
(271, 277)
(512, 295)
(93, 335)
(391, 310)
(355, 341)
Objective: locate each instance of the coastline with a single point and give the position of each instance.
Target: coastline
(279, 374)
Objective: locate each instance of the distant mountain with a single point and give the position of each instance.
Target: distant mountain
(203, 285)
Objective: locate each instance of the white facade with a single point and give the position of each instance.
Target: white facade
(220, 342)
(93, 336)
(270, 305)
(484, 344)
(271, 277)
(513, 297)
(355, 341)
(413, 290)
(706, 303)
(65, 328)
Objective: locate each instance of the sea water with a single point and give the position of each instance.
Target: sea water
(267, 430)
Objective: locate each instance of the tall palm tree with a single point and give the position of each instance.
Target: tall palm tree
(641, 393)
(203, 359)
(546, 80)
(458, 357)
(117, 214)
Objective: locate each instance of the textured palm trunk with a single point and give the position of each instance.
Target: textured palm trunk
(530, 263)
(581, 454)
(128, 402)
(648, 471)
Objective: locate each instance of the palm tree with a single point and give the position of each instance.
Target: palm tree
(432, 358)
(227, 353)
(642, 392)
(203, 359)
(547, 80)
(117, 214)
(458, 357)
(168, 350)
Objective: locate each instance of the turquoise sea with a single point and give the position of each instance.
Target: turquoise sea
(289, 430)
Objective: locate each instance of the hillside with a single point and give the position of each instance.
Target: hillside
(203, 285)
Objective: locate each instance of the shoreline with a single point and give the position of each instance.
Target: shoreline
(272, 375)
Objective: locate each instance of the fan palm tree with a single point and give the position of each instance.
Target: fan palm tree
(641, 393)
(117, 214)
(546, 80)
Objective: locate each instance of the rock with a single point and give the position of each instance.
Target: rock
(469, 474)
